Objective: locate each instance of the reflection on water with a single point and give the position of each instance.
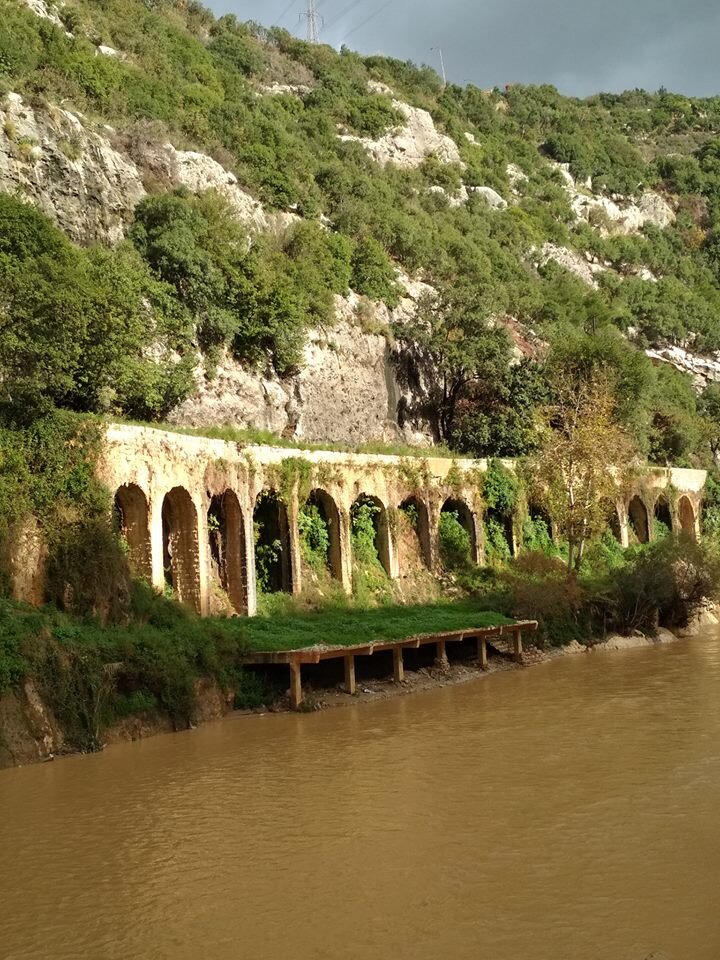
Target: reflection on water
(568, 812)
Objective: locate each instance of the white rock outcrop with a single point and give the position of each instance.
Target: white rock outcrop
(285, 89)
(572, 262)
(490, 196)
(702, 369)
(199, 173)
(412, 143)
(516, 176)
(47, 11)
(347, 389)
(615, 215)
(72, 173)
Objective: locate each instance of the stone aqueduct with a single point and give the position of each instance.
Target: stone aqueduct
(186, 507)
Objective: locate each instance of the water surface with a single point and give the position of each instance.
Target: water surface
(565, 812)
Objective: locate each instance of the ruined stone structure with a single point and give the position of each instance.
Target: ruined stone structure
(188, 507)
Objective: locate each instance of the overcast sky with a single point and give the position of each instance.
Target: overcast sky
(581, 46)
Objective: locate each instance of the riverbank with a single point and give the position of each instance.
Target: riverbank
(30, 733)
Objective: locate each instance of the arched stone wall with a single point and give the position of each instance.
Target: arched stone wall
(381, 523)
(133, 519)
(181, 554)
(687, 518)
(468, 520)
(330, 513)
(156, 462)
(415, 506)
(273, 549)
(638, 519)
(662, 516)
(228, 548)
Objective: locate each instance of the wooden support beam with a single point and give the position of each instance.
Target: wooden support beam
(517, 646)
(398, 665)
(296, 695)
(482, 653)
(350, 674)
(441, 657)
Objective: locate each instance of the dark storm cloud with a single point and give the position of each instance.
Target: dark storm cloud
(579, 46)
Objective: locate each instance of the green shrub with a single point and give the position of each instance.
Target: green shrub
(314, 537)
(454, 540)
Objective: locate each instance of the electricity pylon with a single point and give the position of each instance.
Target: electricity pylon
(313, 22)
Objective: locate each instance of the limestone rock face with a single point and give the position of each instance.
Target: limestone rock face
(615, 215)
(71, 173)
(412, 143)
(47, 11)
(346, 391)
(490, 196)
(571, 261)
(703, 369)
(198, 173)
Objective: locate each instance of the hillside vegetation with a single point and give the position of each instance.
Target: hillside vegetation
(119, 330)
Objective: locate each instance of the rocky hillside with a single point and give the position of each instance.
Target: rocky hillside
(369, 204)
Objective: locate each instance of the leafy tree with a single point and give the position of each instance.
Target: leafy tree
(453, 346)
(583, 460)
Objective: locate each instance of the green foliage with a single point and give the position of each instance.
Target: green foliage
(198, 82)
(500, 488)
(75, 326)
(537, 536)
(364, 517)
(373, 274)
(497, 548)
(454, 540)
(314, 537)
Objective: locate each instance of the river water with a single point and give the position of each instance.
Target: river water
(565, 812)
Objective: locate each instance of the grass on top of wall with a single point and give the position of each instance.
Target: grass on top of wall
(349, 627)
(264, 438)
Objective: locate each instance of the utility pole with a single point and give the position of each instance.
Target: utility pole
(313, 22)
(442, 65)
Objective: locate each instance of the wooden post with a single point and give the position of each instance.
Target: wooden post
(295, 685)
(482, 653)
(517, 646)
(350, 674)
(398, 665)
(441, 658)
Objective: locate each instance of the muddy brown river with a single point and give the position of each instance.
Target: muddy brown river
(565, 812)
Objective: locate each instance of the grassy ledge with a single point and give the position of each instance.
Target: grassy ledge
(344, 628)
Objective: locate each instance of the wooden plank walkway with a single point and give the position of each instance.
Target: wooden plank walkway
(295, 658)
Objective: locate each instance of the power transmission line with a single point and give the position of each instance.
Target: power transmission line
(348, 9)
(285, 12)
(368, 19)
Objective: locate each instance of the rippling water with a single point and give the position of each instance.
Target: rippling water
(567, 812)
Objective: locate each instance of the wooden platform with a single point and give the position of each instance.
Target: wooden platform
(295, 658)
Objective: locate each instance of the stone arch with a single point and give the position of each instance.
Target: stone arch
(228, 552)
(686, 515)
(325, 505)
(638, 519)
(181, 557)
(132, 518)
(273, 559)
(466, 518)
(417, 512)
(613, 519)
(381, 526)
(662, 516)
